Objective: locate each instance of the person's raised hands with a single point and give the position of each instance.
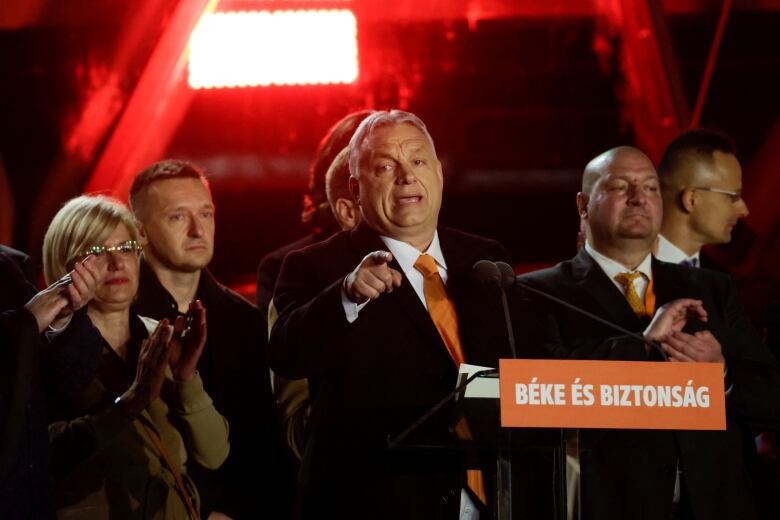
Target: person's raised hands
(150, 371)
(189, 338)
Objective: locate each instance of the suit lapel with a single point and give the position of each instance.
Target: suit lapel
(458, 270)
(673, 282)
(458, 285)
(597, 287)
(458, 281)
(666, 285)
(410, 303)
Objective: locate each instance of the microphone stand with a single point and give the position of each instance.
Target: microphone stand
(490, 274)
(510, 334)
(509, 279)
(393, 442)
(652, 344)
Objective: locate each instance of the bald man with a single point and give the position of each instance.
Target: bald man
(693, 314)
(701, 185)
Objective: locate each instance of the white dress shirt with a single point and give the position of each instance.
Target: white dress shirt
(668, 252)
(611, 268)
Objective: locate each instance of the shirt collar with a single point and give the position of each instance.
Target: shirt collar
(612, 268)
(668, 252)
(154, 300)
(406, 255)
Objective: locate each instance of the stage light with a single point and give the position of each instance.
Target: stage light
(261, 48)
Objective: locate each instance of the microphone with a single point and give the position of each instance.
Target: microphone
(508, 279)
(507, 274)
(489, 273)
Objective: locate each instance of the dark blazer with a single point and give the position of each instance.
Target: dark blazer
(24, 489)
(372, 378)
(631, 473)
(271, 264)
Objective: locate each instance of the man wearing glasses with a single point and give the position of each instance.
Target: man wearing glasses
(701, 183)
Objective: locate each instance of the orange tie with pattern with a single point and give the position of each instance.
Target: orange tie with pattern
(443, 314)
(640, 308)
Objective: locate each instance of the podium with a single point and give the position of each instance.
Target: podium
(530, 480)
(524, 468)
(520, 441)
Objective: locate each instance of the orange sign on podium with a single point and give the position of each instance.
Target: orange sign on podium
(612, 394)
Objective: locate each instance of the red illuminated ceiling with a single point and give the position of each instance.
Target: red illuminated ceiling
(137, 104)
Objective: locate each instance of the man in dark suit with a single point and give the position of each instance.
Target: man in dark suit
(646, 473)
(356, 317)
(701, 185)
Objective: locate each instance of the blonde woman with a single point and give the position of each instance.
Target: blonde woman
(145, 412)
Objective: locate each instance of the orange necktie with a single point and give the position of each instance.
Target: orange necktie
(443, 314)
(641, 308)
(440, 306)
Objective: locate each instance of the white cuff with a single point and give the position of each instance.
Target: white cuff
(351, 309)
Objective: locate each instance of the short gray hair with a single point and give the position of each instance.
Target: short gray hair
(380, 119)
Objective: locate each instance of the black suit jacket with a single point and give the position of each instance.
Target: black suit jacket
(271, 264)
(23, 444)
(631, 473)
(372, 378)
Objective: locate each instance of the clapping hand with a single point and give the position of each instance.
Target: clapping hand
(150, 371)
(700, 347)
(673, 316)
(189, 338)
(666, 329)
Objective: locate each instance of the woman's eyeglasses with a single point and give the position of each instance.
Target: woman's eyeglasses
(125, 248)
